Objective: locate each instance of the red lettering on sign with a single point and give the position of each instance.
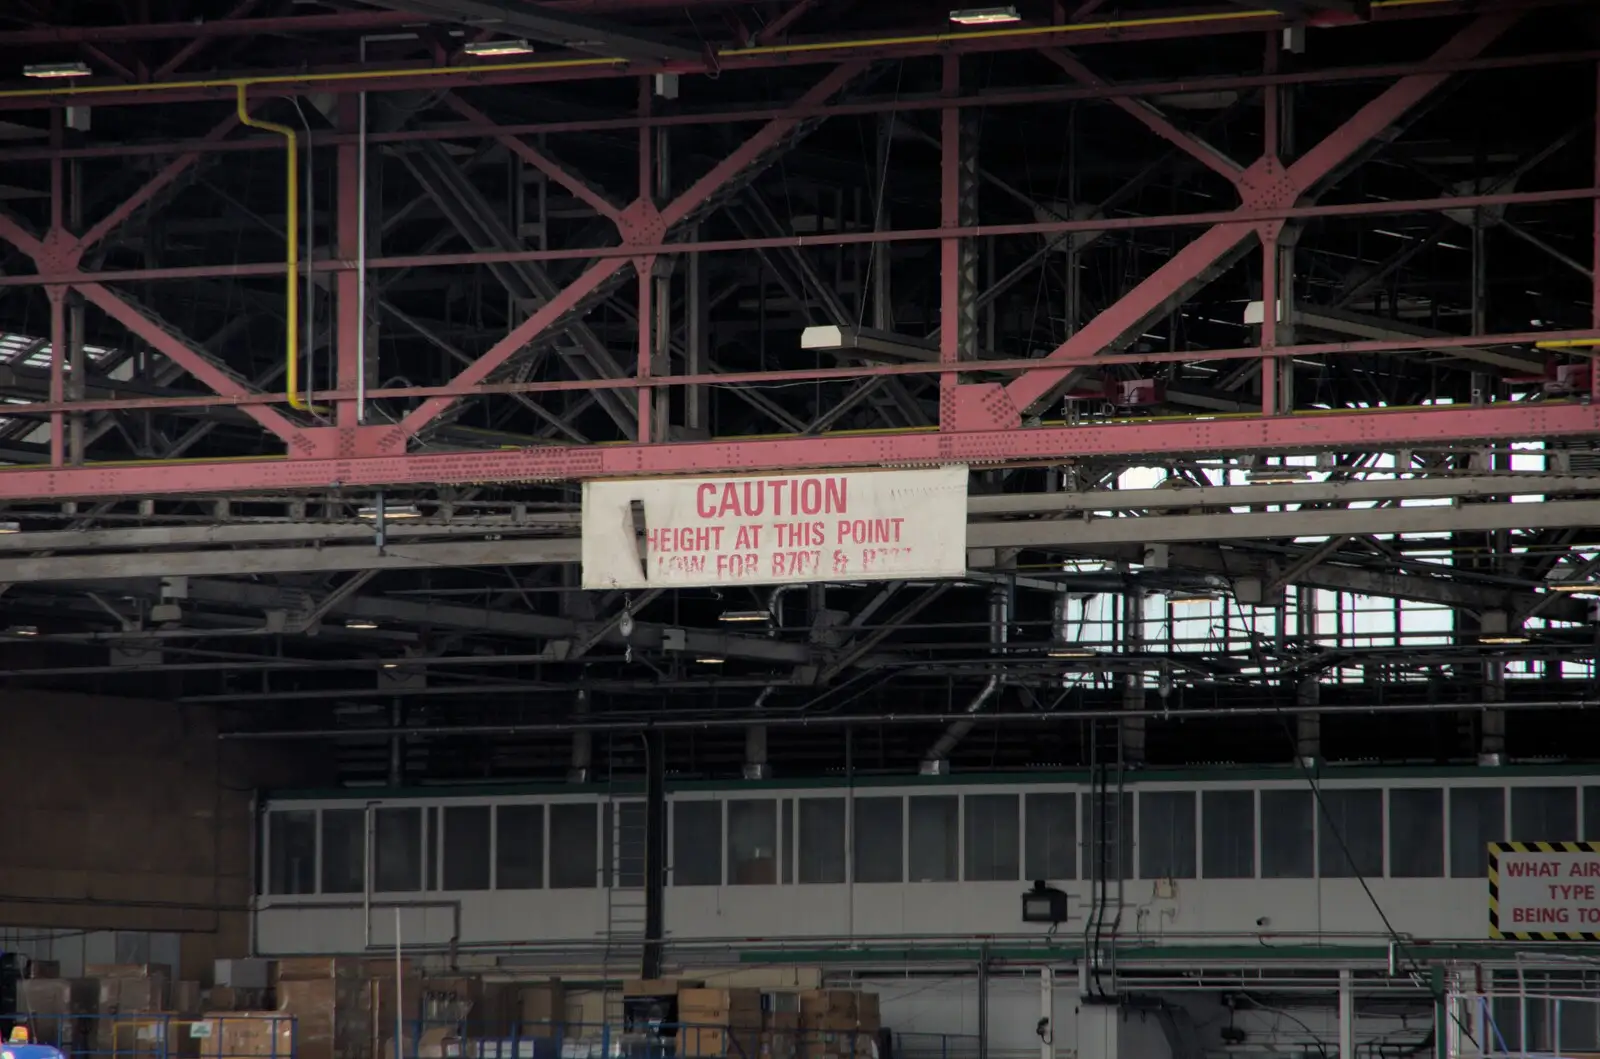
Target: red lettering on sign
(779, 497)
(1539, 915)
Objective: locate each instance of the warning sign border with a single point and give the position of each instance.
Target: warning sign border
(1495, 849)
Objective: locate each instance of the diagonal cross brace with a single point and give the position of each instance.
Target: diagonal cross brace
(642, 223)
(152, 187)
(575, 184)
(1151, 118)
(1264, 183)
(173, 346)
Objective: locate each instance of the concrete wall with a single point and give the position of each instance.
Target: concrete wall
(127, 816)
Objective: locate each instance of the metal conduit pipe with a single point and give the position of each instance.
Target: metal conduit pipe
(755, 743)
(898, 719)
(999, 633)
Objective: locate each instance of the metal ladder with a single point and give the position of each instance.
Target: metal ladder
(623, 871)
(1107, 833)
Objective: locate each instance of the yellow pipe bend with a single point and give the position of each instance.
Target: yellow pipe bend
(291, 263)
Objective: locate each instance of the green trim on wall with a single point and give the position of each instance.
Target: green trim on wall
(1181, 956)
(1286, 773)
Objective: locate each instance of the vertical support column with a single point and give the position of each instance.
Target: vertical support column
(662, 277)
(655, 853)
(1347, 1016)
(950, 315)
(1269, 318)
(1133, 696)
(983, 1001)
(1594, 299)
(58, 362)
(697, 333)
(1269, 246)
(645, 267)
(57, 297)
(1047, 1013)
(880, 257)
(348, 282)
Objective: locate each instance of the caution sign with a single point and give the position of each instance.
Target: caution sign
(775, 529)
(1544, 891)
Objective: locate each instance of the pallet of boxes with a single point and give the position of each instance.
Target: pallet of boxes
(719, 1022)
(838, 1024)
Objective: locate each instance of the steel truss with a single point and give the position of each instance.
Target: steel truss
(987, 422)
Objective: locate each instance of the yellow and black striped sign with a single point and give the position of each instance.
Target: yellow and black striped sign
(1495, 850)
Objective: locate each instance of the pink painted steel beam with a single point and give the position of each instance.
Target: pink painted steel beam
(904, 235)
(540, 161)
(853, 372)
(503, 350)
(640, 223)
(1265, 184)
(1354, 431)
(195, 363)
(1152, 119)
(152, 187)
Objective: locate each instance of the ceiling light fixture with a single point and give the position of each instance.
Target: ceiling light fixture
(1495, 628)
(1181, 599)
(1070, 652)
(360, 623)
(745, 615)
(24, 630)
(10, 527)
(491, 48)
(710, 661)
(391, 665)
(985, 16)
(58, 70)
(1277, 476)
(391, 512)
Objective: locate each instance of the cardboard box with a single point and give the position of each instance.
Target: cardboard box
(63, 1010)
(699, 1042)
(44, 968)
(133, 996)
(186, 998)
(542, 1006)
(242, 1034)
(127, 970)
(732, 1008)
(307, 968)
(333, 1017)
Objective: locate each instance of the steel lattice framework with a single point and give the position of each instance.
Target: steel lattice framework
(1116, 238)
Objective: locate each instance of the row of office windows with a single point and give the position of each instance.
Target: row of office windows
(1269, 833)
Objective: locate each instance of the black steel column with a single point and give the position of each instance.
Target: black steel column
(655, 851)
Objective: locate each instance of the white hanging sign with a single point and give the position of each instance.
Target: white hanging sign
(775, 529)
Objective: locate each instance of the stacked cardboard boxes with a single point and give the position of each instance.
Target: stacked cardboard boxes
(244, 1035)
(719, 1022)
(838, 1024)
(63, 1010)
(333, 1018)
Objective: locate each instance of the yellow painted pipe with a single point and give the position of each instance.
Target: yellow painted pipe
(1568, 343)
(291, 261)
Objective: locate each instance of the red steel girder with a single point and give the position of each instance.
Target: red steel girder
(903, 235)
(1266, 184)
(640, 224)
(199, 365)
(1349, 431)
